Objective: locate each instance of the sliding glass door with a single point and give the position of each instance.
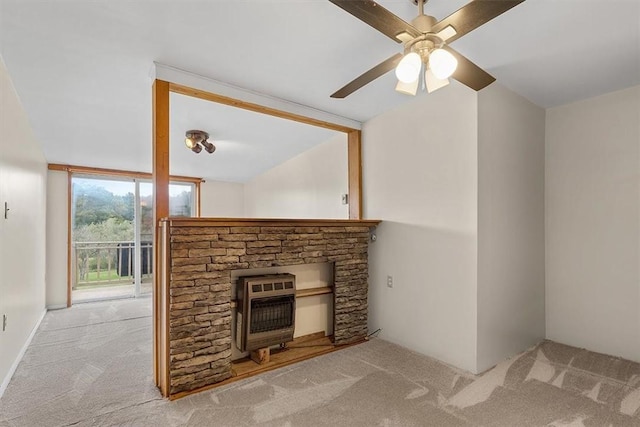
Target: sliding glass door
(102, 238)
(112, 235)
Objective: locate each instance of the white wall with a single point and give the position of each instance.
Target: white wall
(57, 239)
(308, 186)
(23, 179)
(511, 284)
(420, 178)
(221, 199)
(593, 223)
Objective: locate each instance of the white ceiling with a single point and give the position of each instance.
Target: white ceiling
(243, 148)
(81, 68)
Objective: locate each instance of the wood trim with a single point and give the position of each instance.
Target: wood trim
(354, 136)
(69, 244)
(274, 364)
(160, 180)
(269, 222)
(220, 99)
(164, 314)
(193, 80)
(119, 173)
(197, 199)
(355, 174)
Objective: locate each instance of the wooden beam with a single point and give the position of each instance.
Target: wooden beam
(355, 174)
(220, 99)
(354, 136)
(207, 84)
(160, 180)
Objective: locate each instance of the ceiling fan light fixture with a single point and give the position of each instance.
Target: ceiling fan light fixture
(442, 64)
(422, 35)
(408, 70)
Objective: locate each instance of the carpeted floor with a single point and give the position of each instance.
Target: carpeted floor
(91, 366)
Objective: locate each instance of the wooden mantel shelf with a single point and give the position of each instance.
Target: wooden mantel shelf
(268, 222)
(302, 293)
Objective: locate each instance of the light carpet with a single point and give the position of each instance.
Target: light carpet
(91, 366)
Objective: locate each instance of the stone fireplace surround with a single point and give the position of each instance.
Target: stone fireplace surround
(194, 299)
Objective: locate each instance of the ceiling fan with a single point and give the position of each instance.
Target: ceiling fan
(425, 44)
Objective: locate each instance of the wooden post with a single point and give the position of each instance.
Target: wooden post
(160, 180)
(355, 174)
(261, 355)
(69, 237)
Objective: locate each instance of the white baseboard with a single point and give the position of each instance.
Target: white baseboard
(16, 362)
(56, 306)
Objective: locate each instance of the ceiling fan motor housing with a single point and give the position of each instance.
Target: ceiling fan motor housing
(424, 23)
(428, 41)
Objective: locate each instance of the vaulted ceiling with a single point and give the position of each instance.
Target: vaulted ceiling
(81, 68)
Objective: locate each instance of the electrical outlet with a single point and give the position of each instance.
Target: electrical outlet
(390, 281)
(4, 322)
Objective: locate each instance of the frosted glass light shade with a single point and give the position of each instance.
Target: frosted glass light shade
(408, 70)
(408, 88)
(442, 63)
(432, 82)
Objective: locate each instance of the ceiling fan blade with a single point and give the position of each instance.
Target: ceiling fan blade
(446, 33)
(378, 17)
(473, 15)
(469, 73)
(377, 71)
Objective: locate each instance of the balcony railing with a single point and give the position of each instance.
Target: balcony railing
(109, 263)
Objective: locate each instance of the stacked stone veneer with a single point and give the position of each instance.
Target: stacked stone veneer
(202, 258)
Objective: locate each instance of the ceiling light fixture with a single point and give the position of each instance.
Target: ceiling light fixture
(439, 64)
(428, 39)
(442, 63)
(408, 70)
(195, 140)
